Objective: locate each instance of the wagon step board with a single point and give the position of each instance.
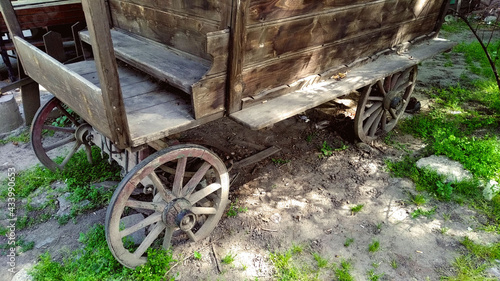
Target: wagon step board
(288, 105)
(166, 64)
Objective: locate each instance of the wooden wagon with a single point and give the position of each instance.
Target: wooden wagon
(158, 68)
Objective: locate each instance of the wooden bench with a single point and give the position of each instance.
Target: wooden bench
(177, 68)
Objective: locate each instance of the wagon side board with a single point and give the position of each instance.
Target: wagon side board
(289, 41)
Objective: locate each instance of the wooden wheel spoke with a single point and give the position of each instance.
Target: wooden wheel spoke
(88, 151)
(193, 182)
(403, 86)
(375, 98)
(158, 184)
(381, 87)
(204, 210)
(158, 207)
(372, 109)
(394, 80)
(71, 153)
(179, 176)
(383, 122)
(393, 113)
(60, 143)
(371, 120)
(59, 129)
(167, 239)
(191, 235)
(154, 218)
(160, 226)
(67, 114)
(198, 195)
(374, 127)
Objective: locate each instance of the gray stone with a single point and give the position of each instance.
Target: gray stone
(58, 185)
(491, 190)
(44, 243)
(490, 19)
(453, 170)
(64, 205)
(138, 236)
(494, 272)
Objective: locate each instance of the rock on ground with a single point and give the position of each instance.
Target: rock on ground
(453, 170)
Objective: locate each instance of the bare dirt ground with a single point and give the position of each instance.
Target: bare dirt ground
(304, 200)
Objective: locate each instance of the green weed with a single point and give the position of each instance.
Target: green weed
(418, 199)
(279, 161)
(356, 209)
(320, 261)
(296, 249)
(374, 246)
(197, 255)
(394, 264)
(23, 137)
(443, 230)
(326, 150)
(343, 272)
(419, 212)
(372, 276)
(234, 210)
(348, 241)
(228, 258)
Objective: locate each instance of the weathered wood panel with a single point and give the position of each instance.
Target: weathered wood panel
(261, 11)
(282, 37)
(282, 71)
(217, 48)
(208, 96)
(79, 94)
(179, 31)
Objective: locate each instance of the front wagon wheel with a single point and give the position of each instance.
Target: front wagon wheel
(176, 195)
(383, 103)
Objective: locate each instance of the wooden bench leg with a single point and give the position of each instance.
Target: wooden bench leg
(30, 95)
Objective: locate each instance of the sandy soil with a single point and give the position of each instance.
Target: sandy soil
(305, 201)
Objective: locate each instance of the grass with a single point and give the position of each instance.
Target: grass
(23, 137)
(234, 209)
(418, 199)
(374, 246)
(197, 255)
(420, 212)
(228, 258)
(279, 161)
(343, 271)
(95, 262)
(348, 242)
(327, 150)
(320, 261)
(356, 209)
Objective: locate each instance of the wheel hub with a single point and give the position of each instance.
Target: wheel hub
(84, 135)
(178, 213)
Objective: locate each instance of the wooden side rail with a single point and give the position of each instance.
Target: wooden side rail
(83, 97)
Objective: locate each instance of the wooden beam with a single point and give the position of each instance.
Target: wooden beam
(237, 45)
(75, 28)
(98, 25)
(16, 85)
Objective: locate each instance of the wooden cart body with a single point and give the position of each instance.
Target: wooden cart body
(226, 56)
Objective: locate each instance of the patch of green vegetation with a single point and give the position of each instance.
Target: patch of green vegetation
(326, 150)
(95, 262)
(348, 241)
(374, 246)
(419, 212)
(320, 261)
(228, 258)
(454, 26)
(3, 230)
(343, 271)
(197, 255)
(23, 137)
(356, 209)
(418, 199)
(296, 249)
(279, 161)
(394, 264)
(234, 209)
(443, 230)
(476, 59)
(372, 276)
(25, 245)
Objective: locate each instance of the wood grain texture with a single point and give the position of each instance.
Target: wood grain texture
(54, 45)
(157, 60)
(282, 37)
(72, 89)
(107, 69)
(275, 110)
(208, 96)
(179, 31)
(286, 70)
(217, 48)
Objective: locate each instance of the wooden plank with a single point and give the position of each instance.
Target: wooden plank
(208, 96)
(80, 95)
(275, 110)
(54, 45)
(283, 37)
(15, 85)
(102, 46)
(288, 69)
(157, 60)
(256, 157)
(181, 32)
(237, 48)
(217, 48)
(210, 11)
(263, 11)
(75, 28)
